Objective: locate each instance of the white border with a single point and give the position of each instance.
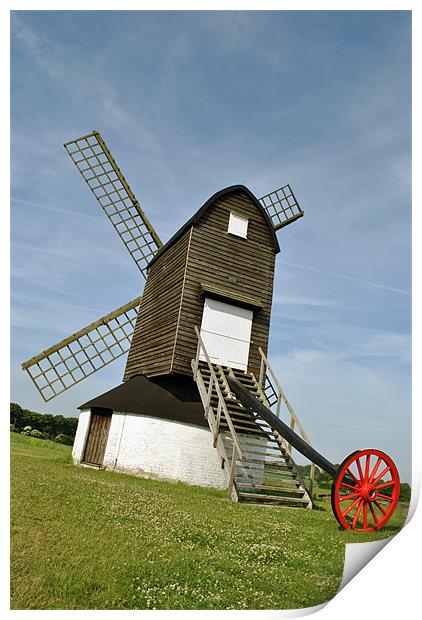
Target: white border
(388, 587)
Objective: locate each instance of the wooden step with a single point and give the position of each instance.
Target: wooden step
(269, 445)
(267, 451)
(247, 461)
(253, 456)
(233, 405)
(270, 499)
(239, 415)
(264, 469)
(236, 418)
(266, 456)
(245, 480)
(270, 452)
(267, 490)
(239, 373)
(239, 425)
(242, 429)
(262, 452)
(255, 474)
(240, 420)
(248, 382)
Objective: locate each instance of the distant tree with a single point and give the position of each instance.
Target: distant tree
(405, 492)
(62, 438)
(325, 480)
(49, 425)
(37, 434)
(16, 415)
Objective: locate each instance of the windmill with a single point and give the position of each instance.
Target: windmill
(83, 353)
(218, 269)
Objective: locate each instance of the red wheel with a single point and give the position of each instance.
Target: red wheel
(365, 491)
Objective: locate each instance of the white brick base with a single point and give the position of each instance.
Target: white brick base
(153, 447)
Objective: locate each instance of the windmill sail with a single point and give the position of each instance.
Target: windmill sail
(104, 178)
(282, 206)
(70, 361)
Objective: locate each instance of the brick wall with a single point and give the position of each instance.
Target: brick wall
(147, 446)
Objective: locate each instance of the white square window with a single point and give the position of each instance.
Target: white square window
(238, 225)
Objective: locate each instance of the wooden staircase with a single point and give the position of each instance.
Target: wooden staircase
(257, 460)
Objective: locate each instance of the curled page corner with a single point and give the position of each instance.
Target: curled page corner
(280, 613)
(358, 555)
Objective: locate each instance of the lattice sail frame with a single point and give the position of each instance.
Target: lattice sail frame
(72, 360)
(105, 180)
(282, 206)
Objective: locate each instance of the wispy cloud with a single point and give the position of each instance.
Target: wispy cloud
(347, 277)
(46, 54)
(31, 299)
(59, 63)
(56, 253)
(285, 300)
(73, 214)
(386, 345)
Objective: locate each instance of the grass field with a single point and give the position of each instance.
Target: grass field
(87, 539)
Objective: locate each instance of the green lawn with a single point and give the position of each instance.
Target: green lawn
(87, 539)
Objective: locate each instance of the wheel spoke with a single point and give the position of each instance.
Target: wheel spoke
(352, 475)
(359, 469)
(356, 517)
(367, 464)
(365, 515)
(352, 505)
(390, 499)
(348, 496)
(374, 516)
(374, 471)
(386, 484)
(379, 507)
(348, 486)
(384, 471)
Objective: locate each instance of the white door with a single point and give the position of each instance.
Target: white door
(226, 332)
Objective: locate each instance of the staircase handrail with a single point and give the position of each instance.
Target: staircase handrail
(221, 400)
(294, 420)
(282, 396)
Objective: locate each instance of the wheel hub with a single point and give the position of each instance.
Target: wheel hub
(368, 492)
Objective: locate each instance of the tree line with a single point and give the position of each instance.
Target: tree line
(50, 426)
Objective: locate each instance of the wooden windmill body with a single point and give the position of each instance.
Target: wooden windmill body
(204, 315)
(205, 261)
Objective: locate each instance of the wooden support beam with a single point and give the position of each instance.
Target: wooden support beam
(255, 406)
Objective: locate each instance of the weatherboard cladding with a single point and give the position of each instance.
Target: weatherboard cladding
(202, 256)
(151, 350)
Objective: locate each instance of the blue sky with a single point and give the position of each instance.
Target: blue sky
(191, 102)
